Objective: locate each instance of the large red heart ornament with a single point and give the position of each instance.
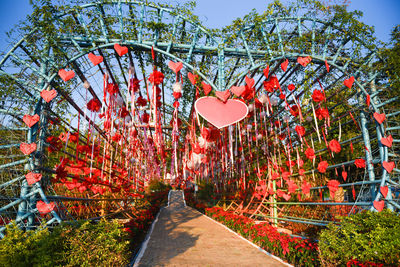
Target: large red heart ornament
(96, 60)
(193, 78)
(66, 75)
(30, 120)
(206, 88)
(238, 90)
(221, 114)
(44, 208)
(304, 61)
(379, 117)
(175, 66)
(48, 95)
(389, 166)
(121, 50)
(379, 205)
(27, 148)
(349, 82)
(384, 191)
(388, 141)
(32, 178)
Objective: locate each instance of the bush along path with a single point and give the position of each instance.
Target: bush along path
(184, 237)
(88, 243)
(358, 241)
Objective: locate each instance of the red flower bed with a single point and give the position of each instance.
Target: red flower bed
(297, 251)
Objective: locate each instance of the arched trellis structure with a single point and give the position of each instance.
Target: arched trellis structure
(95, 166)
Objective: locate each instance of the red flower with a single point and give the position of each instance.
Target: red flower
(94, 105)
(334, 146)
(294, 110)
(291, 87)
(322, 113)
(360, 163)
(156, 77)
(310, 153)
(318, 95)
(134, 85)
(292, 186)
(322, 166)
(271, 84)
(300, 130)
(306, 188)
(112, 89)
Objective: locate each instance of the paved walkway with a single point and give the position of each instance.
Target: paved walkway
(184, 237)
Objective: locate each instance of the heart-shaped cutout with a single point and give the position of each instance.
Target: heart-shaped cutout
(206, 88)
(96, 60)
(379, 117)
(175, 67)
(238, 90)
(44, 208)
(48, 95)
(304, 61)
(249, 81)
(30, 120)
(349, 82)
(221, 114)
(388, 141)
(286, 196)
(27, 149)
(384, 191)
(192, 78)
(379, 205)
(389, 166)
(284, 65)
(32, 178)
(223, 96)
(344, 175)
(66, 75)
(121, 50)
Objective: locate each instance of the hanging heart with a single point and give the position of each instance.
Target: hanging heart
(221, 114)
(32, 178)
(384, 191)
(249, 81)
(326, 66)
(206, 88)
(48, 95)
(388, 141)
(349, 82)
(121, 50)
(44, 208)
(238, 90)
(286, 196)
(379, 117)
(304, 61)
(175, 67)
(368, 100)
(223, 95)
(284, 65)
(344, 175)
(192, 78)
(27, 149)
(30, 120)
(266, 72)
(96, 60)
(389, 166)
(66, 75)
(379, 205)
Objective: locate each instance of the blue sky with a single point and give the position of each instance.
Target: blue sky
(382, 14)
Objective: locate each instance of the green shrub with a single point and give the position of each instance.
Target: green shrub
(157, 185)
(366, 237)
(206, 191)
(82, 244)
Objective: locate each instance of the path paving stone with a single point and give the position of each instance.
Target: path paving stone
(184, 237)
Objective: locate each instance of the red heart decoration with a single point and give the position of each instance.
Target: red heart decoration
(379, 205)
(389, 166)
(221, 114)
(349, 82)
(121, 50)
(266, 72)
(32, 178)
(284, 65)
(206, 88)
(304, 61)
(326, 66)
(388, 141)
(223, 95)
(384, 191)
(44, 208)
(66, 75)
(286, 196)
(379, 117)
(30, 120)
(27, 148)
(368, 100)
(193, 78)
(344, 175)
(175, 67)
(48, 95)
(238, 90)
(96, 60)
(249, 81)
